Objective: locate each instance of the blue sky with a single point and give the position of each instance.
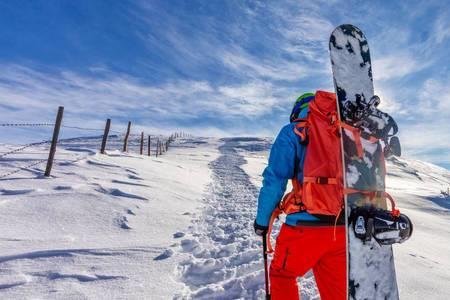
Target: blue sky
(217, 67)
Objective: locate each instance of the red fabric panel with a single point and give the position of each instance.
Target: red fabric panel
(323, 157)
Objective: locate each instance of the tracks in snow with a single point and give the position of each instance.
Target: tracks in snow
(224, 255)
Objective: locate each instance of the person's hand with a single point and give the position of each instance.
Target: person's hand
(259, 229)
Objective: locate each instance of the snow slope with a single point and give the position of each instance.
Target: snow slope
(124, 226)
(423, 262)
(103, 226)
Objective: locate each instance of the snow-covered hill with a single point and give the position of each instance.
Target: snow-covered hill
(125, 226)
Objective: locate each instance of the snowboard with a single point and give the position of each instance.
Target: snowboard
(370, 265)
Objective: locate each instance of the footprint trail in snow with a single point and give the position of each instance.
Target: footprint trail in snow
(225, 259)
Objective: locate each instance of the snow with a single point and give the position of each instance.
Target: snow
(103, 227)
(178, 226)
(423, 262)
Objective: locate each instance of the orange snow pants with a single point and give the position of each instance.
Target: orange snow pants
(302, 248)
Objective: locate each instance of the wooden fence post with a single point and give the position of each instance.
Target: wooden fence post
(142, 143)
(157, 147)
(149, 143)
(125, 142)
(105, 136)
(51, 154)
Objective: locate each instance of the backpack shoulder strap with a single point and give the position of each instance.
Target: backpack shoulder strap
(301, 130)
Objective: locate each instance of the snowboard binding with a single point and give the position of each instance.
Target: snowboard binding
(366, 116)
(382, 225)
(360, 109)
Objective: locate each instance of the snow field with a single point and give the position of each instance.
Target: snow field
(103, 226)
(422, 262)
(125, 226)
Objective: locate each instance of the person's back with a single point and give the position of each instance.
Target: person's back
(306, 241)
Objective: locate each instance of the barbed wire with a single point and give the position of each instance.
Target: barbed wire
(89, 129)
(23, 168)
(25, 124)
(23, 148)
(51, 124)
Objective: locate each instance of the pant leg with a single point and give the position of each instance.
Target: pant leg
(297, 250)
(330, 271)
(283, 286)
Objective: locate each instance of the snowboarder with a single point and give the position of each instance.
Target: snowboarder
(306, 240)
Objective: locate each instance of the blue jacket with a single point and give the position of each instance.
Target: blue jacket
(286, 156)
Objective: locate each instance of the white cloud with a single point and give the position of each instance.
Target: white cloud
(29, 95)
(435, 96)
(253, 67)
(293, 36)
(441, 30)
(251, 99)
(427, 140)
(396, 65)
(425, 130)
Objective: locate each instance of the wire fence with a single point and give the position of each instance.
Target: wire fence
(26, 167)
(25, 124)
(152, 145)
(88, 129)
(23, 148)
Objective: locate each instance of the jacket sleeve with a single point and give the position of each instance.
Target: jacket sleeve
(277, 173)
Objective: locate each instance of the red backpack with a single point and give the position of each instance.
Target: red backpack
(322, 188)
(321, 191)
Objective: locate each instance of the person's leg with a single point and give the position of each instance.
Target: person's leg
(330, 270)
(283, 285)
(297, 250)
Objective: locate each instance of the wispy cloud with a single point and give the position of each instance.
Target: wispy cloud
(27, 94)
(397, 65)
(269, 41)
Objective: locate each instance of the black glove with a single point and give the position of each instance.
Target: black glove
(260, 230)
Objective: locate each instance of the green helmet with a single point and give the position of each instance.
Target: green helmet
(300, 103)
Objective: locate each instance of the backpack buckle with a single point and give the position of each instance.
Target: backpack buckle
(321, 180)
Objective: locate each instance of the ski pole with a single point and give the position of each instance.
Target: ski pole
(266, 271)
